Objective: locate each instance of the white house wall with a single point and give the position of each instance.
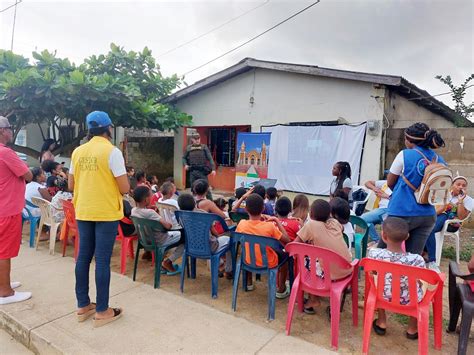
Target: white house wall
(282, 97)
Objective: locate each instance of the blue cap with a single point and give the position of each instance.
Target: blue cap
(97, 119)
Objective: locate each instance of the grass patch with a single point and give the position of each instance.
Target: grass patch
(465, 253)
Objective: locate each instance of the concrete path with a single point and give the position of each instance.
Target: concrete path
(10, 346)
(153, 321)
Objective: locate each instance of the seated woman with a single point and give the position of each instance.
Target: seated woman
(342, 180)
(61, 195)
(380, 210)
(459, 207)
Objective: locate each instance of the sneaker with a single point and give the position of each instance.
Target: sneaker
(15, 284)
(16, 297)
(432, 266)
(284, 294)
(250, 287)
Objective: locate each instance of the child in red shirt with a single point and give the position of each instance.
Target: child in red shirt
(292, 225)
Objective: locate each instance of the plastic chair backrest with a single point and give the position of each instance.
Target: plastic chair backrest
(70, 214)
(236, 217)
(45, 207)
(378, 269)
(166, 211)
(359, 222)
(326, 258)
(28, 212)
(197, 229)
(249, 241)
(146, 228)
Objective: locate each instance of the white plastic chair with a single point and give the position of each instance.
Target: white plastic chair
(167, 211)
(47, 218)
(444, 232)
(356, 203)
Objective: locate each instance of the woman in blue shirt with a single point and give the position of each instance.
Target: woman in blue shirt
(419, 140)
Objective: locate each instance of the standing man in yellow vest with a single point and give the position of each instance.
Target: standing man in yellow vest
(99, 179)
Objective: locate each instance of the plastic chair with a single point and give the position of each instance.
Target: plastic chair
(308, 281)
(236, 217)
(197, 228)
(167, 211)
(374, 298)
(142, 227)
(47, 219)
(360, 239)
(28, 216)
(461, 297)
(70, 224)
(444, 232)
(126, 245)
(263, 242)
(355, 204)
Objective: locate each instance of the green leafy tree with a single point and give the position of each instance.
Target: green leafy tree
(458, 94)
(127, 85)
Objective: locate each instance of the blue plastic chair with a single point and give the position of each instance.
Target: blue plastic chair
(33, 221)
(197, 228)
(263, 242)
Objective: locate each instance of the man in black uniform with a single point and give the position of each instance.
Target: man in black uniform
(198, 160)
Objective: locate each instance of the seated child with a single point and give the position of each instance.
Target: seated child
(167, 191)
(300, 208)
(292, 225)
(127, 228)
(259, 190)
(266, 226)
(394, 233)
(222, 204)
(239, 192)
(142, 196)
(186, 202)
(326, 232)
(271, 196)
(341, 212)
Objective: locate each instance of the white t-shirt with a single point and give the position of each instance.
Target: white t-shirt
(347, 183)
(383, 201)
(32, 190)
(116, 163)
(398, 164)
(468, 202)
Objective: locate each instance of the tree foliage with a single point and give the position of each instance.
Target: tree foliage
(458, 93)
(52, 90)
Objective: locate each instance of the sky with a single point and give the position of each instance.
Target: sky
(417, 39)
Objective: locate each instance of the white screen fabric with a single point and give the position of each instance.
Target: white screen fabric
(302, 157)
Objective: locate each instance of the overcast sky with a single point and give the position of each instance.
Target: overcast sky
(417, 39)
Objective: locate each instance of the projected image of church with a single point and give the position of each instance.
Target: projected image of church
(252, 161)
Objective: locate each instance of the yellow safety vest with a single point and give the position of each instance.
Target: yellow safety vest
(96, 193)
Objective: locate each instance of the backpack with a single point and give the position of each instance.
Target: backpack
(436, 183)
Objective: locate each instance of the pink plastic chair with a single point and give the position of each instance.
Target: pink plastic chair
(127, 245)
(308, 281)
(374, 298)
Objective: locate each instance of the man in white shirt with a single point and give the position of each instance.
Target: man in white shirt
(379, 212)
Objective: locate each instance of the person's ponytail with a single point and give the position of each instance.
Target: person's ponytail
(421, 135)
(433, 139)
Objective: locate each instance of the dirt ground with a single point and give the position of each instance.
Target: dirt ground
(312, 328)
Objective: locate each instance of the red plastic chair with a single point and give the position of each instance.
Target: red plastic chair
(308, 281)
(374, 298)
(70, 225)
(127, 245)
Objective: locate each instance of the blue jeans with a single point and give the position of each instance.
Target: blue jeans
(372, 218)
(96, 238)
(431, 241)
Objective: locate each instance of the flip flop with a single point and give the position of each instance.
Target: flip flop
(85, 316)
(378, 330)
(176, 272)
(309, 310)
(413, 336)
(164, 271)
(100, 322)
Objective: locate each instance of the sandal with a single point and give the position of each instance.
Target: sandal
(309, 310)
(377, 329)
(100, 322)
(413, 336)
(85, 316)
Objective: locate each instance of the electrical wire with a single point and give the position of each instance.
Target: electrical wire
(9, 7)
(212, 30)
(444, 93)
(253, 38)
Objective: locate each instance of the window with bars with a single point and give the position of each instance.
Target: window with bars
(222, 145)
